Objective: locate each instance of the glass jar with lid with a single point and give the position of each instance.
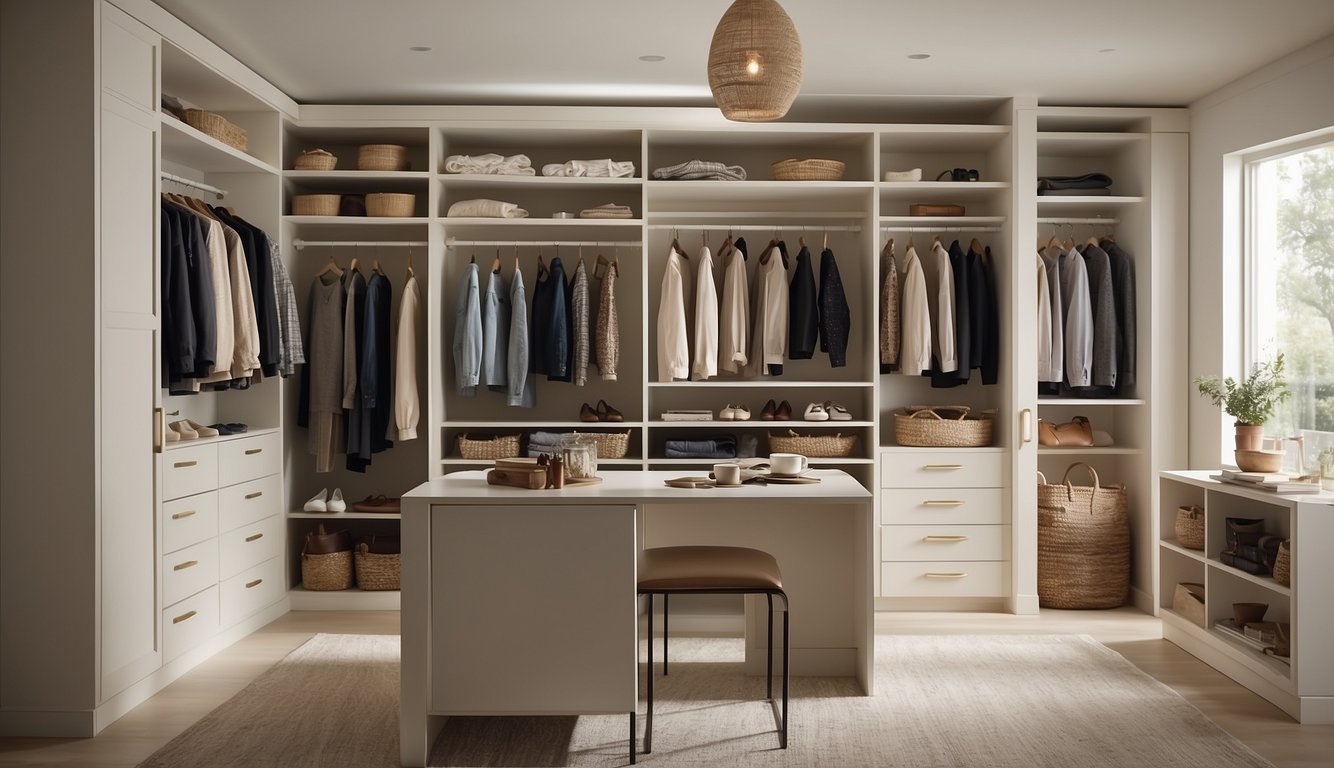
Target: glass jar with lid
(580, 454)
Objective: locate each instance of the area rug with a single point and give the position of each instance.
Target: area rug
(956, 701)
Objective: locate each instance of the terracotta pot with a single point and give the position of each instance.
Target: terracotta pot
(1249, 437)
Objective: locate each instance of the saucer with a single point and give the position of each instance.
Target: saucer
(727, 485)
(772, 473)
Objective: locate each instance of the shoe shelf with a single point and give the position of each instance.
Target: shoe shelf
(252, 432)
(343, 600)
(348, 515)
(1091, 401)
(543, 425)
(754, 422)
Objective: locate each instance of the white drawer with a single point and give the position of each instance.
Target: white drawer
(925, 506)
(248, 502)
(189, 623)
(944, 542)
(187, 471)
(249, 458)
(942, 468)
(189, 571)
(251, 590)
(943, 579)
(250, 545)
(189, 520)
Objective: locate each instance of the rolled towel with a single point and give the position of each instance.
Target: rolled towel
(514, 165)
(701, 169)
(488, 209)
(608, 211)
(600, 168)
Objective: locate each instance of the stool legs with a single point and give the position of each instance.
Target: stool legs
(782, 732)
(769, 658)
(648, 722)
(632, 738)
(665, 598)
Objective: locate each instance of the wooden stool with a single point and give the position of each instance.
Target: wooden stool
(712, 570)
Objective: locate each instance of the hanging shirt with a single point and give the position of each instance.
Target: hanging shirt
(551, 329)
(1078, 319)
(290, 352)
(769, 331)
(1123, 290)
(673, 349)
(1051, 258)
(734, 314)
(579, 328)
(889, 308)
(323, 375)
(369, 421)
(407, 403)
(803, 309)
(835, 316)
(1105, 353)
(990, 320)
(607, 333)
(1043, 321)
(962, 303)
(519, 389)
(943, 348)
(468, 334)
(915, 310)
(495, 332)
(706, 319)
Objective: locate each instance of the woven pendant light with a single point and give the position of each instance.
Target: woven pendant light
(755, 61)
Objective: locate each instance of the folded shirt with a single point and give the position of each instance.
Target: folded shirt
(711, 447)
(701, 169)
(514, 165)
(608, 211)
(601, 168)
(489, 209)
(1085, 182)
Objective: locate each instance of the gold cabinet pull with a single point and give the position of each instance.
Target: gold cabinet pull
(184, 464)
(254, 537)
(944, 538)
(941, 467)
(253, 451)
(253, 584)
(949, 575)
(184, 617)
(183, 515)
(184, 565)
(942, 503)
(254, 495)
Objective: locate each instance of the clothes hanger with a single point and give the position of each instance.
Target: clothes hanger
(976, 246)
(824, 241)
(676, 246)
(909, 247)
(332, 266)
(516, 259)
(495, 263)
(410, 272)
(601, 266)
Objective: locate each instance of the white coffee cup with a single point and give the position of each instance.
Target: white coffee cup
(727, 474)
(788, 463)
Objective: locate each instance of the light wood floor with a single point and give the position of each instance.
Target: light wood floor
(1135, 635)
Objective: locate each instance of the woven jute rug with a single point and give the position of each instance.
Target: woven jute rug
(959, 700)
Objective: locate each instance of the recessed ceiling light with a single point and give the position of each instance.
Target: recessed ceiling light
(653, 57)
(420, 48)
(919, 55)
(1106, 50)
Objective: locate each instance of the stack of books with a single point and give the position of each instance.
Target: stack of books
(1274, 482)
(687, 415)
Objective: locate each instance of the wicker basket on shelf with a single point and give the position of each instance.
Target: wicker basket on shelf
(807, 170)
(382, 157)
(611, 445)
(813, 446)
(316, 160)
(315, 205)
(326, 560)
(942, 426)
(218, 127)
(488, 446)
(1189, 526)
(1283, 563)
(377, 571)
(390, 204)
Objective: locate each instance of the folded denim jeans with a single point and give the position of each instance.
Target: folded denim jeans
(1087, 181)
(712, 447)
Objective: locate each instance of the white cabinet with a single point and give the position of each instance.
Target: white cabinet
(1301, 684)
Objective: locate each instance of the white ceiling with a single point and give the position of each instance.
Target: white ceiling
(585, 52)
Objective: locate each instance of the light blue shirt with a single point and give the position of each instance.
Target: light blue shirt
(468, 334)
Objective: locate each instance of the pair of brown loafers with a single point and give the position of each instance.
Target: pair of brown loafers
(602, 412)
(779, 412)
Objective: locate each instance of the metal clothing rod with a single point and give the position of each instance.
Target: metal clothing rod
(298, 243)
(755, 227)
(452, 243)
(221, 193)
(891, 228)
(1087, 220)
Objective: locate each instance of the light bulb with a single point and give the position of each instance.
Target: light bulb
(752, 67)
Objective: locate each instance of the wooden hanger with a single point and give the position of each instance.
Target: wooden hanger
(909, 242)
(601, 266)
(676, 246)
(824, 241)
(975, 246)
(495, 263)
(410, 272)
(355, 266)
(375, 267)
(332, 266)
(1093, 240)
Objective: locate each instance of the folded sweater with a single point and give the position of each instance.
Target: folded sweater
(514, 165)
(491, 209)
(701, 169)
(602, 168)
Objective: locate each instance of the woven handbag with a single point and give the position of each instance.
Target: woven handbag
(1189, 526)
(326, 560)
(1083, 543)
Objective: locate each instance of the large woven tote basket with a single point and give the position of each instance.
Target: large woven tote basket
(1083, 543)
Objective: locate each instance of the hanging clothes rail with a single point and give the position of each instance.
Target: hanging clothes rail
(451, 243)
(298, 243)
(756, 227)
(892, 228)
(1085, 220)
(221, 193)
(696, 215)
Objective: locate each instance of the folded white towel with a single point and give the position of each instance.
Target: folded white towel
(608, 211)
(602, 168)
(490, 209)
(514, 165)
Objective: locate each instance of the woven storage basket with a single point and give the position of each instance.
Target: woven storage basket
(315, 205)
(1083, 543)
(946, 426)
(218, 127)
(377, 571)
(1283, 564)
(1188, 600)
(814, 446)
(488, 446)
(611, 445)
(316, 160)
(1190, 526)
(392, 204)
(807, 170)
(382, 157)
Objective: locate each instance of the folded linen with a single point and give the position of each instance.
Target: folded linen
(514, 165)
(701, 169)
(487, 209)
(1076, 192)
(605, 167)
(608, 211)
(1087, 181)
(711, 447)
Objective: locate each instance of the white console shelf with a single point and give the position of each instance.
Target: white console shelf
(1303, 686)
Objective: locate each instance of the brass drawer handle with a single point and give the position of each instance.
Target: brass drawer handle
(183, 515)
(254, 537)
(184, 617)
(944, 538)
(184, 565)
(950, 575)
(184, 464)
(254, 495)
(942, 503)
(939, 467)
(253, 584)
(253, 451)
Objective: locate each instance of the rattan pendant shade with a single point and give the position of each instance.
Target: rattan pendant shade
(755, 61)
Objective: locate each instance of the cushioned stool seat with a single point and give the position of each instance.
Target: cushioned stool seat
(712, 570)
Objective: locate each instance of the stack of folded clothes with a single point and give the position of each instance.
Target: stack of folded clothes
(486, 209)
(702, 447)
(498, 165)
(1088, 184)
(603, 168)
(542, 443)
(608, 211)
(701, 169)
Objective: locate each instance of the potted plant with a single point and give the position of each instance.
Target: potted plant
(1250, 401)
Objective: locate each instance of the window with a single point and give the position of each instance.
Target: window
(1290, 284)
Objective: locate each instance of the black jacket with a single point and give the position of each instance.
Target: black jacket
(803, 309)
(369, 420)
(552, 348)
(835, 316)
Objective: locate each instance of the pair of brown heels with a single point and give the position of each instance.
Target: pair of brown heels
(602, 412)
(780, 412)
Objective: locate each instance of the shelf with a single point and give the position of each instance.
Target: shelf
(196, 149)
(1081, 205)
(1273, 665)
(542, 425)
(921, 191)
(1174, 546)
(1085, 144)
(813, 460)
(835, 195)
(348, 515)
(756, 422)
(767, 383)
(471, 221)
(941, 221)
(938, 138)
(358, 222)
(1266, 582)
(357, 181)
(1088, 450)
(220, 438)
(454, 461)
(343, 600)
(917, 449)
(482, 180)
(1089, 401)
